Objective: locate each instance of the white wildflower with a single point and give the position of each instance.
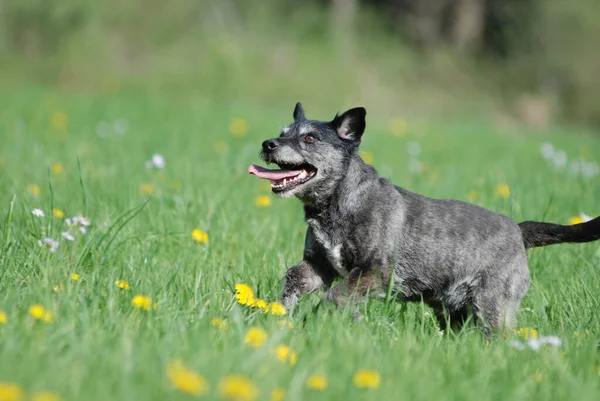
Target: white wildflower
(79, 222)
(547, 150)
(551, 340)
(587, 169)
(415, 166)
(50, 243)
(414, 148)
(537, 343)
(103, 129)
(83, 221)
(590, 169)
(68, 236)
(121, 126)
(534, 343)
(158, 161)
(38, 212)
(559, 159)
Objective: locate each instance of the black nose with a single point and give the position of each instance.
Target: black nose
(270, 144)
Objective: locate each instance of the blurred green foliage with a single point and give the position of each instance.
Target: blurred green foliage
(535, 60)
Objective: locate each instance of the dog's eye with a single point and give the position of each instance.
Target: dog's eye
(309, 139)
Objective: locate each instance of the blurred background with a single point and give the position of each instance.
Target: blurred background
(532, 62)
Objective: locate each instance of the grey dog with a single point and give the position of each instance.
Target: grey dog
(381, 239)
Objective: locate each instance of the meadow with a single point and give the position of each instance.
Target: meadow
(152, 221)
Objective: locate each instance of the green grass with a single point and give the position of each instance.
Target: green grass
(101, 348)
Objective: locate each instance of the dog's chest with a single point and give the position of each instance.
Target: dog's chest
(331, 244)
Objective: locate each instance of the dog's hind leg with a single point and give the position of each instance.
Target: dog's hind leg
(303, 279)
(497, 302)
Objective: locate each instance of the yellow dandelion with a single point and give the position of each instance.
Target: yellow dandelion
(278, 394)
(244, 294)
(238, 388)
(367, 157)
(10, 392)
(277, 309)
(283, 323)
(200, 236)
(142, 302)
(47, 317)
(56, 288)
(57, 168)
(286, 355)
(258, 303)
(256, 337)
(219, 323)
(74, 276)
(60, 121)
(316, 382)
(472, 196)
(398, 127)
(365, 378)
(527, 332)
(238, 127)
(220, 147)
(34, 189)
(146, 189)
(58, 213)
(3, 317)
(503, 190)
(186, 380)
(262, 201)
(45, 396)
(122, 284)
(576, 220)
(37, 311)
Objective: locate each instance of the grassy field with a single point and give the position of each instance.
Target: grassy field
(86, 155)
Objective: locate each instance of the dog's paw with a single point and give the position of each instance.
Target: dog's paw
(289, 302)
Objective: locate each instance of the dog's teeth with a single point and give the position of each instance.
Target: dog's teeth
(284, 182)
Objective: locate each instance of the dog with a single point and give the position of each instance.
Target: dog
(382, 240)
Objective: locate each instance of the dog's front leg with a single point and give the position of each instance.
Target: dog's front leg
(302, 279)
(356, 286)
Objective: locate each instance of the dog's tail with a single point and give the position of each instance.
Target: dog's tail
(541, 234)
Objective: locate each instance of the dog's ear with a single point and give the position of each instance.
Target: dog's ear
(351, 124)
(299, 113)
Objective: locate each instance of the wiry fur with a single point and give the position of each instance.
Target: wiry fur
(456, 257)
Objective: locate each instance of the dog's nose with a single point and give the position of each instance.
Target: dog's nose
(270, 144)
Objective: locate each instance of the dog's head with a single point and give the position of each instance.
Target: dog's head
(312, 155)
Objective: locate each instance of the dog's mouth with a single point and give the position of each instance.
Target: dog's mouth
(288, 177)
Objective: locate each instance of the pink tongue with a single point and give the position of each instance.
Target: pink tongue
(273, 175)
